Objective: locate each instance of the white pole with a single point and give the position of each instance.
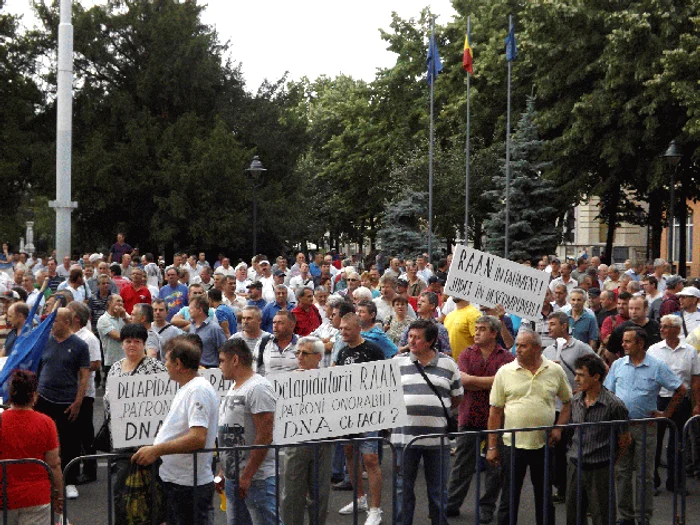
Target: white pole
(64, 132)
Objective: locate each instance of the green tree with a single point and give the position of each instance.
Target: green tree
(532, 216)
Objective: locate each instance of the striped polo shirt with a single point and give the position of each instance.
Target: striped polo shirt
(425, 413)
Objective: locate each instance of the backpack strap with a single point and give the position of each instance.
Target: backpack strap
(261, 349)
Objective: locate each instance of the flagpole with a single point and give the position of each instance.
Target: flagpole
(430, 156)
(466, 188)
(507, 225)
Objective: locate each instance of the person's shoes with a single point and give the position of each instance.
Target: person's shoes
(374, 517)
(337, 478)
(361, 505)
(558, 498)
(451, 513)
(71, 492)
(343, 485)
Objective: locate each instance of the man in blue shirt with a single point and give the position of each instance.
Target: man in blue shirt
(637, 379)
(174, 294)
(583, 323)
(315, 266)
(271, 309)
(367, 313)
(255, 297)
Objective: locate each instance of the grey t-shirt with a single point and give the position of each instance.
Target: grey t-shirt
(251, 342)
(236, 426)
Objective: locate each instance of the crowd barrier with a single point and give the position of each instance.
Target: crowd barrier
(3, 472)
(682, 441)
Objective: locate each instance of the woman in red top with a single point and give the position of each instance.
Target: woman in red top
(25, 433)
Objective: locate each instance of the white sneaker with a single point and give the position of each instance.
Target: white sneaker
(361, 505)
(71, 492)
(374, 517)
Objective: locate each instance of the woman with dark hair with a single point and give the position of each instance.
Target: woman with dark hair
(25, 434)
(135, 362)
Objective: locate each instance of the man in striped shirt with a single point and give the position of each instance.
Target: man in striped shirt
(426, 415)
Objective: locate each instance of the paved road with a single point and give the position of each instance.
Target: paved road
(91, 507)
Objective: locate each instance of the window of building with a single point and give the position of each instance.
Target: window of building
(689, 238)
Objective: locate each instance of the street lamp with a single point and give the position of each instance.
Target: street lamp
(673, 156)
(254, 172)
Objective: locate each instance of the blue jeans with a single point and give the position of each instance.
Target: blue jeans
(185, 507)
(259, 508)
(436, 466)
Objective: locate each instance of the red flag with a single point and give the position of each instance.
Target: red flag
(468, 60)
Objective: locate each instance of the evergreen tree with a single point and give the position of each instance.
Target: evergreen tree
(533, 230)
(404, 231)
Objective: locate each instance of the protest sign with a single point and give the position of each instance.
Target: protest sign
(338, 401)
(139, 404)
(490, 280)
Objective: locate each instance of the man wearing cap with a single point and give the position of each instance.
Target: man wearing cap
(278, 279)
(255, 297)
(671, 303)
(690, 317)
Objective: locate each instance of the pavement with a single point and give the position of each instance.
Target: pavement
(91, 508)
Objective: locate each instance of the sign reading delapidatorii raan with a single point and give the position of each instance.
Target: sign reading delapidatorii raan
(489, 280)
(338, 401)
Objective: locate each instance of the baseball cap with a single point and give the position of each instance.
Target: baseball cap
(264, 261)
(96, 257)
(674, 280)
(690, 291)
(402, 281)
(255, 284)
(10, 295)
(594, 292)
(278, 273)
(436, 279)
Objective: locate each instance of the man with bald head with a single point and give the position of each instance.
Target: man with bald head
(64, 370)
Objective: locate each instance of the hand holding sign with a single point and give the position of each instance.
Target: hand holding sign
(490, 281)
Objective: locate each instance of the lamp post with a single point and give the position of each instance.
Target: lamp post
(254, 171)
(673, 156)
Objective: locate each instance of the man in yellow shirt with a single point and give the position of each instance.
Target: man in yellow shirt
(461, 326)
(523, 395)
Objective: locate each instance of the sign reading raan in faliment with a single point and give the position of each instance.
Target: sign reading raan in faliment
(489, 280)
(139, 404)
(338, 401)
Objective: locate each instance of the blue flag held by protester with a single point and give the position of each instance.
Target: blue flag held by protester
(28, 348)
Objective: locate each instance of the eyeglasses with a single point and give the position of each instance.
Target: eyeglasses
(353, 280)
(299, 352)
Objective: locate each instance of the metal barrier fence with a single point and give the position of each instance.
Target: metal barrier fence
(647, 426)
(3, 472)
(511, 509)
(278, 450)
(690, 445)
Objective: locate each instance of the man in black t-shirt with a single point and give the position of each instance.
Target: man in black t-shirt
(638, 307)
(357, 350)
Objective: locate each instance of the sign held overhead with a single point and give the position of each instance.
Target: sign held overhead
(489, 280)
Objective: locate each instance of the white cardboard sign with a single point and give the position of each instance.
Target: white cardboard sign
(338, 401)
(139, 404)
(490, 280)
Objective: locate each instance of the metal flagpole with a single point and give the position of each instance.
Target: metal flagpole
(430, 156)
(466, 188)
(507, 225)
(64, 132)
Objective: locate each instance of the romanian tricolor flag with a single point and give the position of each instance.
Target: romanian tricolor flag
(468, 60)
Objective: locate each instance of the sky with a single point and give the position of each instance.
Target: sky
(307, 37)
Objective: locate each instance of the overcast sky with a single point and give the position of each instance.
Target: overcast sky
(306, 38)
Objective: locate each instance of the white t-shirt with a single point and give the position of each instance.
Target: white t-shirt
(692, 321)
(194, 405)
(95, 355)
(152, 276)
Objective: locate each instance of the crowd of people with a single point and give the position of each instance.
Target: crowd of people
(611, 343)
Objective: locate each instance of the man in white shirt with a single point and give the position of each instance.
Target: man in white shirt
(690, 317)
(191, 425)
(684, 362)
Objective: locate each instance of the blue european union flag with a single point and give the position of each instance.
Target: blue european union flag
(28, 349)
(511, 46)
(434, 62)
